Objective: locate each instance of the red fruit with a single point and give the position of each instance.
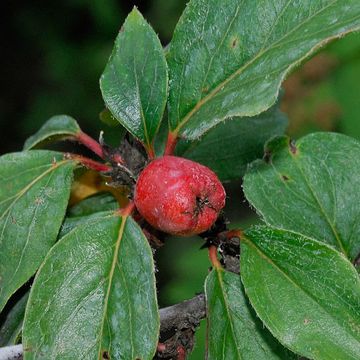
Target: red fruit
(179, 196)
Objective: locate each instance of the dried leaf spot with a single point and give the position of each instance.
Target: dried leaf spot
(234, 42)
(293, 147)
(267, 156)
(38, 201)
(105, 355)
(205, 89)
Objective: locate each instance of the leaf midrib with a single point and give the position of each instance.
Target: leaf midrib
(225, 301)
(111, 275)
(322, 210)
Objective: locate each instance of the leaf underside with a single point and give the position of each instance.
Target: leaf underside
(11, 327)
(56, 128)
(229, 147)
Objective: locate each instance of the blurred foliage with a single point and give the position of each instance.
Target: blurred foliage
(324, 93)
(55, 53)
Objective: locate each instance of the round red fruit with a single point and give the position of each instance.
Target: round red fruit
(179, 196)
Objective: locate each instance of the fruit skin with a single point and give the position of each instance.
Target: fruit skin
(179, 196)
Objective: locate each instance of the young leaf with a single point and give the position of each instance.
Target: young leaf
(56, 128)
(234, 331)
(308, 187)
(134, 82)
(34, 191)
(11, 328)
(229, 147)
(306, 293)
(94, 296)
(228, 58)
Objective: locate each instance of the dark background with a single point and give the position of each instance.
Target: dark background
(52, 55)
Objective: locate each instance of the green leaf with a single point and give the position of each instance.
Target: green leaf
(306, 293)
(308, 187)
(34, 192)
(234, 331)
(12, 325)
(92, 204)
(229, 147)
(228, 58)
(56, 128)
(134, 82)
(94, 296)
(71, 223)
(88, 210)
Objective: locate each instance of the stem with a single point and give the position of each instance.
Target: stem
(181, 353)
(186, 314)
(118, 159)
(127, 210)
(90, 143)
(89, 163)
(170, 144)
(234, 233)
(213, 257)
(151, 152)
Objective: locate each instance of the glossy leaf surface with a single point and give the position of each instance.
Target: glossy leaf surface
(94, 296)
(309, 187)
(134, 82)
(228, 58)
(10, 329)
(305, 292)
(229, 147)
(234, 330)
(56, 128)
(34, 191)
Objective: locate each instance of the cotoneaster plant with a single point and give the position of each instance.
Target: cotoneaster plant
(77, 275)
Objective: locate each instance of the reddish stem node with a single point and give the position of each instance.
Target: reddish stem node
(89, 163)
(150, 151)
(181, 353)
(118, 159)
(90, 143)
(213, 257)
(170, 144)
(161, 347)
(234, 233)
(127, 210)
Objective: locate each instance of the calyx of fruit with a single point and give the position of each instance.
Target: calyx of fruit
(179, 196)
